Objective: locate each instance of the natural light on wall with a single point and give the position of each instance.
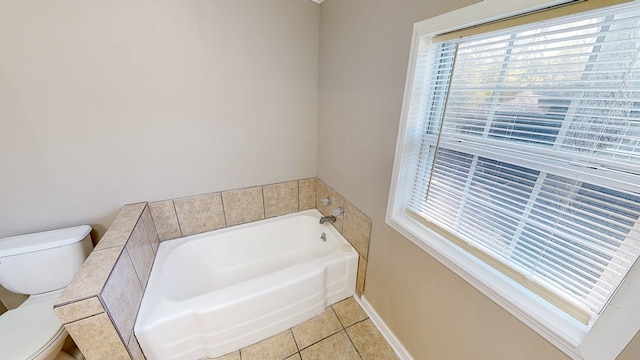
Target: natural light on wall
(518, 162)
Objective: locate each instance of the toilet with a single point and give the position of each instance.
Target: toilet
(40, 265)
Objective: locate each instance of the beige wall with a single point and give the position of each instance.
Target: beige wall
(114, 102)
(364, 49)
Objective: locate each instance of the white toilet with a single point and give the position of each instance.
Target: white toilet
(39, 265)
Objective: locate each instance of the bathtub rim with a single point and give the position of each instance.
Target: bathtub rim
(163, 305)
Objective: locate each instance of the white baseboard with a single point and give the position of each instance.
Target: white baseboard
(388, 335)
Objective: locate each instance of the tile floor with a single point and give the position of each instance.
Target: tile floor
(343, 331)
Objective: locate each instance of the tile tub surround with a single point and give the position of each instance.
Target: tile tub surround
(354, 225)
(180, 217)
(175, 218)
(99, 306)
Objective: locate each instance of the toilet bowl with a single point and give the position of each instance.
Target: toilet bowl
(39, 265)
(32, 331)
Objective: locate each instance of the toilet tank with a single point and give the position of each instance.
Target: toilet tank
(37, 263)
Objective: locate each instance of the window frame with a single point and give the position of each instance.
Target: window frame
(618, 323)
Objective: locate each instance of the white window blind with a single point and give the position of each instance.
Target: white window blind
(527, 152)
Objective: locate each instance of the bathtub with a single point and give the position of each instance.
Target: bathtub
(216, 292)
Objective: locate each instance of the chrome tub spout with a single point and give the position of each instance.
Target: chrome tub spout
(329, 218)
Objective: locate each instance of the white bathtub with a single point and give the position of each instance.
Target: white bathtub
(216, 292)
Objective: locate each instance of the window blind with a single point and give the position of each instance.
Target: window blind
(527, 152)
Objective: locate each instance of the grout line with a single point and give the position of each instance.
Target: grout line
(135, 271)
(352, 343)
(113, 323)
(294, 340)
(357, 322)
(340, 321)
(153, 222)
(343, 328)
(224, 212)
(144, 228)
(173, 205)
(264, 203)
(324, 338)
(298, 194)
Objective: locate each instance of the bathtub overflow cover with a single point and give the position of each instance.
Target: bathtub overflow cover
(323, 236)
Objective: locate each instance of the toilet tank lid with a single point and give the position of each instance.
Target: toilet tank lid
(21, 244)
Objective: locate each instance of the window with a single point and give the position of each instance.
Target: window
(518, 164)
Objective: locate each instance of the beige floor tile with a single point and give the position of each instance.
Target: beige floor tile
(277, 347)
(335, 347)
(295, 356)
(369, 341)
(349, 312)
(316, 329)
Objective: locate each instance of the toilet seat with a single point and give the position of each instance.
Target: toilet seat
(31, 331)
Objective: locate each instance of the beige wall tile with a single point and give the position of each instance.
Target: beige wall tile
(97, 338)
(118, 232)
(316, 329)
(336, 346)
(165, 218)
(150, 227)
(141, 253)
(132, 210)
(243, 206)
(322, 192)
(362, 275)
(280, 199)
(357, 229)
(369, 342)
(201, 213)
(122, 295)
(78, 310)
(92, 276)
(274, 348)
(349, 311)
(307, 194)
(295, 356)
(134, 349)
